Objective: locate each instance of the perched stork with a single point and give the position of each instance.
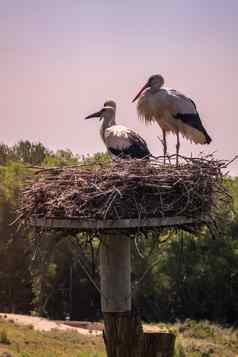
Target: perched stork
(173, 111)
(120, 141)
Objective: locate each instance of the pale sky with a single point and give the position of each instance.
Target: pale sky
(61, 59)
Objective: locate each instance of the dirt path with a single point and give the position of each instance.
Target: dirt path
(42, 324)
(83, 327)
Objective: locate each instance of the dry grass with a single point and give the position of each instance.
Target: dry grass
(204, 339)
(194, 339)
(24, 341)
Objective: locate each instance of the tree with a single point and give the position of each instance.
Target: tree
(61, 158)
(15, 281)
(6, 154)
(30, 153)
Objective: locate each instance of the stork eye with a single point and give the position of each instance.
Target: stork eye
(151, 80)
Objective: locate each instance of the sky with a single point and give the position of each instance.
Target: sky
(61, 59)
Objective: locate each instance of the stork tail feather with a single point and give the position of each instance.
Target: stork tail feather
(192, 128)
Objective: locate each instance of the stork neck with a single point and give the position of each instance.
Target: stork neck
(107, 123)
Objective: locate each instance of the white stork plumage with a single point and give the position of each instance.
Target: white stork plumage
(172, 110)
(120, 141)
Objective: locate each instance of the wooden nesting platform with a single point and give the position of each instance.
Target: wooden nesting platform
(126, 225)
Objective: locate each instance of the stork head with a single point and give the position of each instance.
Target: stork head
(110, 104)
(108, 111)
(155, 82)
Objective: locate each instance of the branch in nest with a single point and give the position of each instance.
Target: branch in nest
(127, 189)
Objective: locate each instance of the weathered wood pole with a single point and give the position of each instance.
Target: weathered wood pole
(158, 344)
(123, 334)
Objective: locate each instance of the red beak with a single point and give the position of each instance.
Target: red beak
(140, 92)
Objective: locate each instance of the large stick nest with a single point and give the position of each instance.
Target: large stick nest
(127, 189)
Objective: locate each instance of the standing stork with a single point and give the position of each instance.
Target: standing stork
(120, 141)
(172, 110)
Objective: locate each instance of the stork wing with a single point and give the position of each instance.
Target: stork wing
(185, 109)
(183, 103)
(122, 141)
(139, 144)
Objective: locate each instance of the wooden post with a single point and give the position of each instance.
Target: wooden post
(123, 334)
(115, 272)
(158, 344)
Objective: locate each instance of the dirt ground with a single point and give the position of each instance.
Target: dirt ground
(43, 324)
(83, 327)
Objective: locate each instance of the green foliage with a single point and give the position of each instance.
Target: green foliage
(15, 285)
(30, 153)
(12, 176)
(179, 351)
(6, 154)
(61, 158)
(98, 158)
(58, 269)
(195, 278)
(16, 246)
(52, 269)
(4, 338)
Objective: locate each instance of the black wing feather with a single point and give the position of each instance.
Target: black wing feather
(195, 122)
(137, 149)
(191, 119)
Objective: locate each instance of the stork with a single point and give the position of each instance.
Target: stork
(172, 110)
(120, 141)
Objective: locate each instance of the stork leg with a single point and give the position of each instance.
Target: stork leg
(177, 147)
(164, 145)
